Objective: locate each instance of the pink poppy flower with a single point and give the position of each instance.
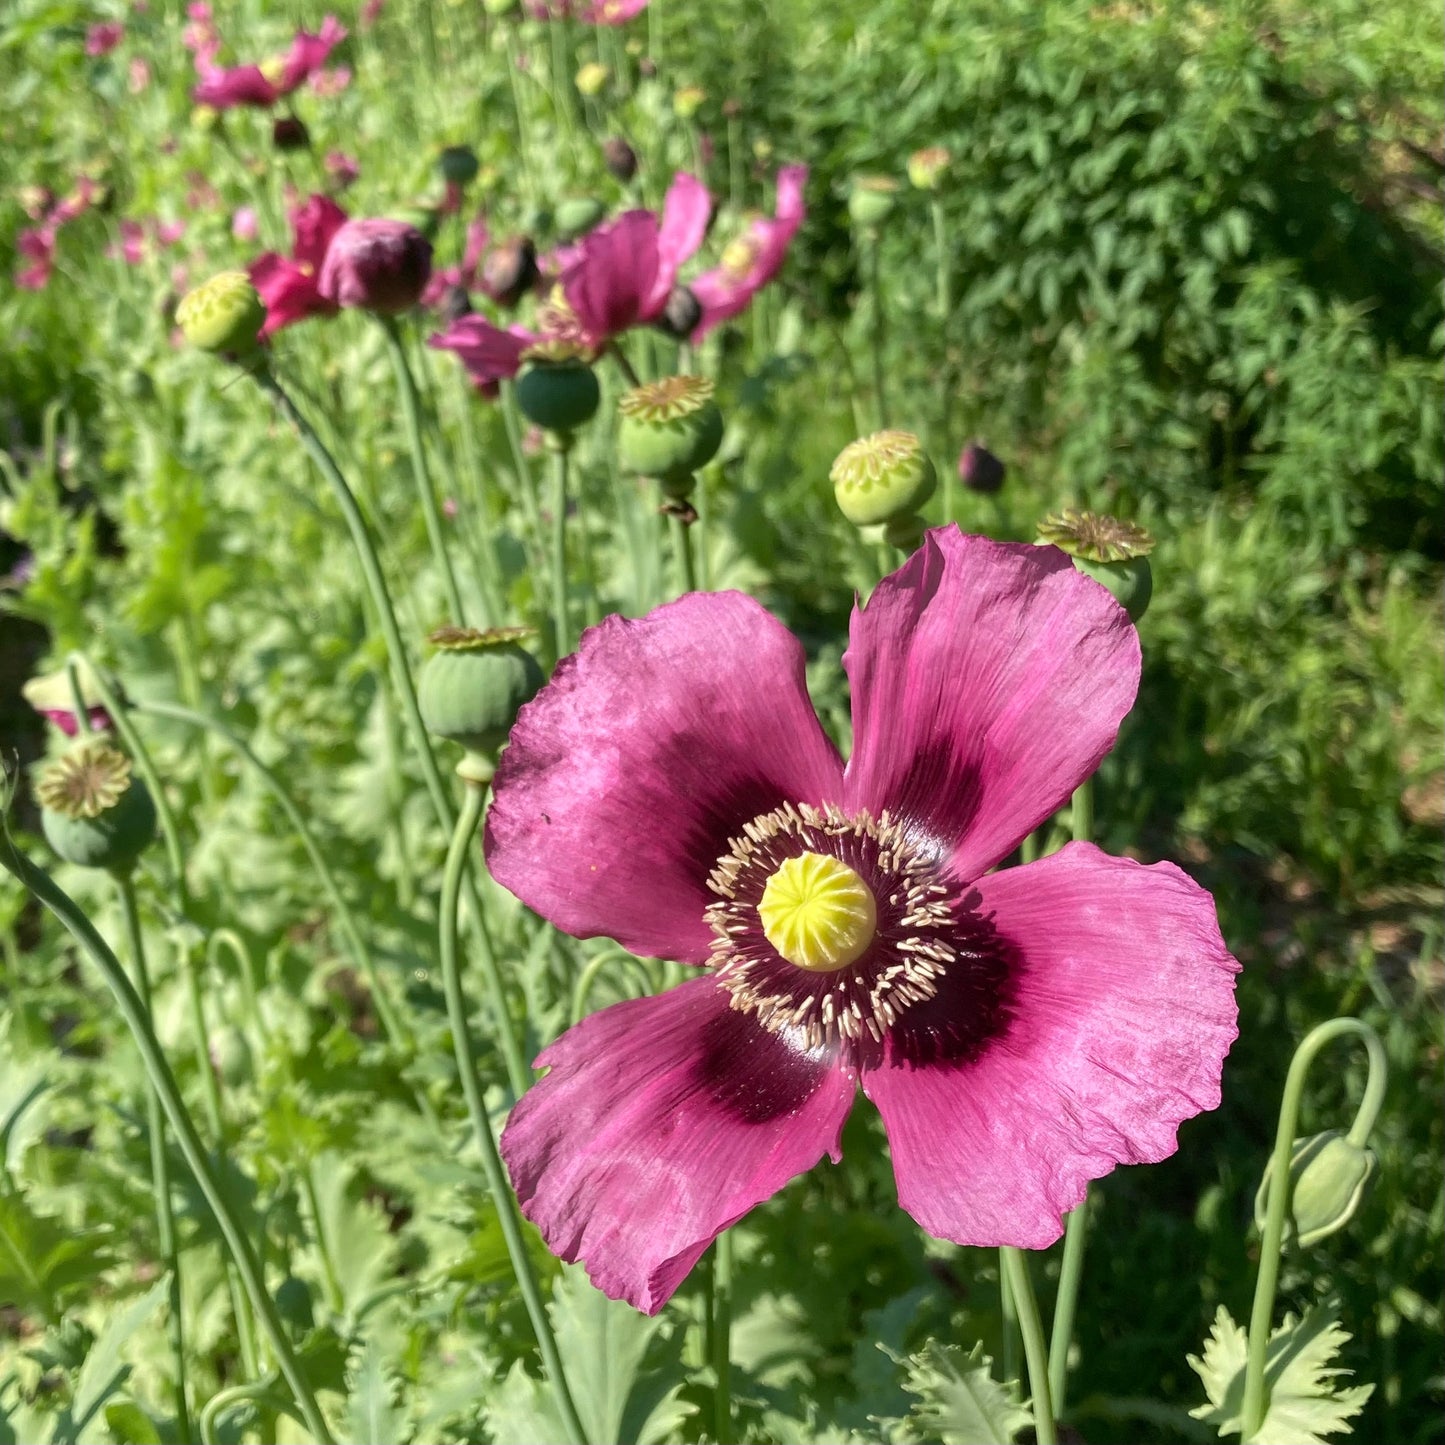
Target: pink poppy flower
(103, 37)
(224, 88)
(331, 82)
(131, 247)
(376, 264)
(590, 12)
(341, 168)
(489, 354)
(751, 261)
(245, 226)
(465, 275)
(36, 245)
(622, 273)
(290, 285)
(52, 697)
(371, 13)
(77, 203)
(1021, 1032)
(138, 75)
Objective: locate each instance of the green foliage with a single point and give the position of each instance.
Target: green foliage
(958, 1401)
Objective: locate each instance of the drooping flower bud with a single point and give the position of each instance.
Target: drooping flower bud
(979, 470)
(223, 315)
(576, 215)
(471, 688)
(559, 395)
(52, 696)
(882, 476)
(230, 1055)
(1112, 552)
(1329, 1178)
(591, 78)
(669, 429)
(459, 165)
(510, 271)
(376, 265)
(926, 167)
(681, 314)
(871, 199)
(619, 158)
(92, 811)
(289, 133)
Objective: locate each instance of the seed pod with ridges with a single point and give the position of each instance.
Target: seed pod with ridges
(558, 395)
(1112, 552)
(668, 429)
(882, 476)
(92, 811)
(223, 315)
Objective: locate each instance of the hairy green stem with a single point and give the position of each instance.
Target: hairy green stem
(1036, 1352)
(160, 1165)
(720, 1338)
(134, 1013)
(492, 1165)
(1256, 1400)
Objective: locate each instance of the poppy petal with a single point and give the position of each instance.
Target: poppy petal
(1121, 1010)
(662, 1122)
(652, 746)
(989, 679)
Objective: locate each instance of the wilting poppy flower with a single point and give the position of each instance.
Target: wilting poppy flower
(465, 275)
(751, 261)
(290, 285)
(1021, 1032)
(223, 88)
(376, 264)
(54, 699)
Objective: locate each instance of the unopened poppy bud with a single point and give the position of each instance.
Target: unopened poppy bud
(459, 165)
(288, 133)
(687, 101)
(455, 304)
(559, 395)
(591, 78)
(668, 429)
(681, 314)
(1329, 1178)
(230, 1055)
(871, 199)
(1112, 552)
(979, 470)
(619, 158)
(510, 271)
(92, 811)
(376, 265)
(926, 167)
(472, 687)
(223, 315)
(882, 476)
(576, 215)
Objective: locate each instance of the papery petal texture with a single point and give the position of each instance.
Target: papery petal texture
(489, 354)
(988, 679)
(613, 275)
(224, 89)
(651, 747)
(686, 211)
(1121, 1011)
(663, 1121)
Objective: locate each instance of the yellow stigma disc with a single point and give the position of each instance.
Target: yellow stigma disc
(818, 913)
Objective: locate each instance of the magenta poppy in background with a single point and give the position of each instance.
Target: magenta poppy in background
(245, 225)
(289, 285)
(1021, 1032)
(590, 12)
(752, 260)
(341, 168)
(465, 275)
(103, 37)
(489, 354)
(36, 245)
(621, 274)
(224, 88)
(376, 264)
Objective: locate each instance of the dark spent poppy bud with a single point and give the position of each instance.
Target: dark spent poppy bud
(471, 688)
(459, 165)
(223, 315)
(619, 158)
(871, 198)
(882, 476)
(1112, 552)
(92, 812)
(510, 271)
(668, 429)
(558, 395)
(575, 215)
(454, 304)
(376, 265)
(288, 133)
(1329, 1178)
(979, 470)
(681, 314)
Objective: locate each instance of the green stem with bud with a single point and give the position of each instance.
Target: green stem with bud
(1256, 1398)
(160, 1165)
(495, 1171)
(880, 325)
(1036, 1352)
(137, 1019)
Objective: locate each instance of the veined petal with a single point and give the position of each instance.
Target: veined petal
(686, 211)
(989, 679)
(655, 743)
(1120, 1011)
(613, 275)
(663, 1121)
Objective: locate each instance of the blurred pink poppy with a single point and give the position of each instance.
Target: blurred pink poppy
(244, 225)
(290, 285)
(465, 275)
(103, 37)
(223, 88)
(341, 168)
(36, 245)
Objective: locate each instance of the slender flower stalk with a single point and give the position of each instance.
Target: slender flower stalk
(133, 1012)
(1256, 1397)
(561, 626)
(1035, 1350)
(682, 545)
(721, 1337)
(880, 326)
(160, 1166)
(502, 1200)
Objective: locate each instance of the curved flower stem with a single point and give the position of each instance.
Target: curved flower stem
(223, 1400)
(720, 1337)
(561, 629)
(160, 1165)
(1035, 1350)
(492, 1165)
(133, 1011)
(426, 495)
(1256, 1401)
(682, 544)
(1077, 1221)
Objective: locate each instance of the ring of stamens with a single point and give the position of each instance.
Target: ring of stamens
(912, 942)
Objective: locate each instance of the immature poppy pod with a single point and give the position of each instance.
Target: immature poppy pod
(669, 429)
(92, 811)
(871, 199)
(558, 395)
(224, 315)
(882, 478)
(1110, 551)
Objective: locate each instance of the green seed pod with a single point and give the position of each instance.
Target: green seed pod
(93, 813)
(459, 165)
(222, 315)
(668, 429)
(871, 199)
(558, 396)
(472, 686)
(1112, 552)
(882, 476)
(1329, 1178)
(576, 215)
